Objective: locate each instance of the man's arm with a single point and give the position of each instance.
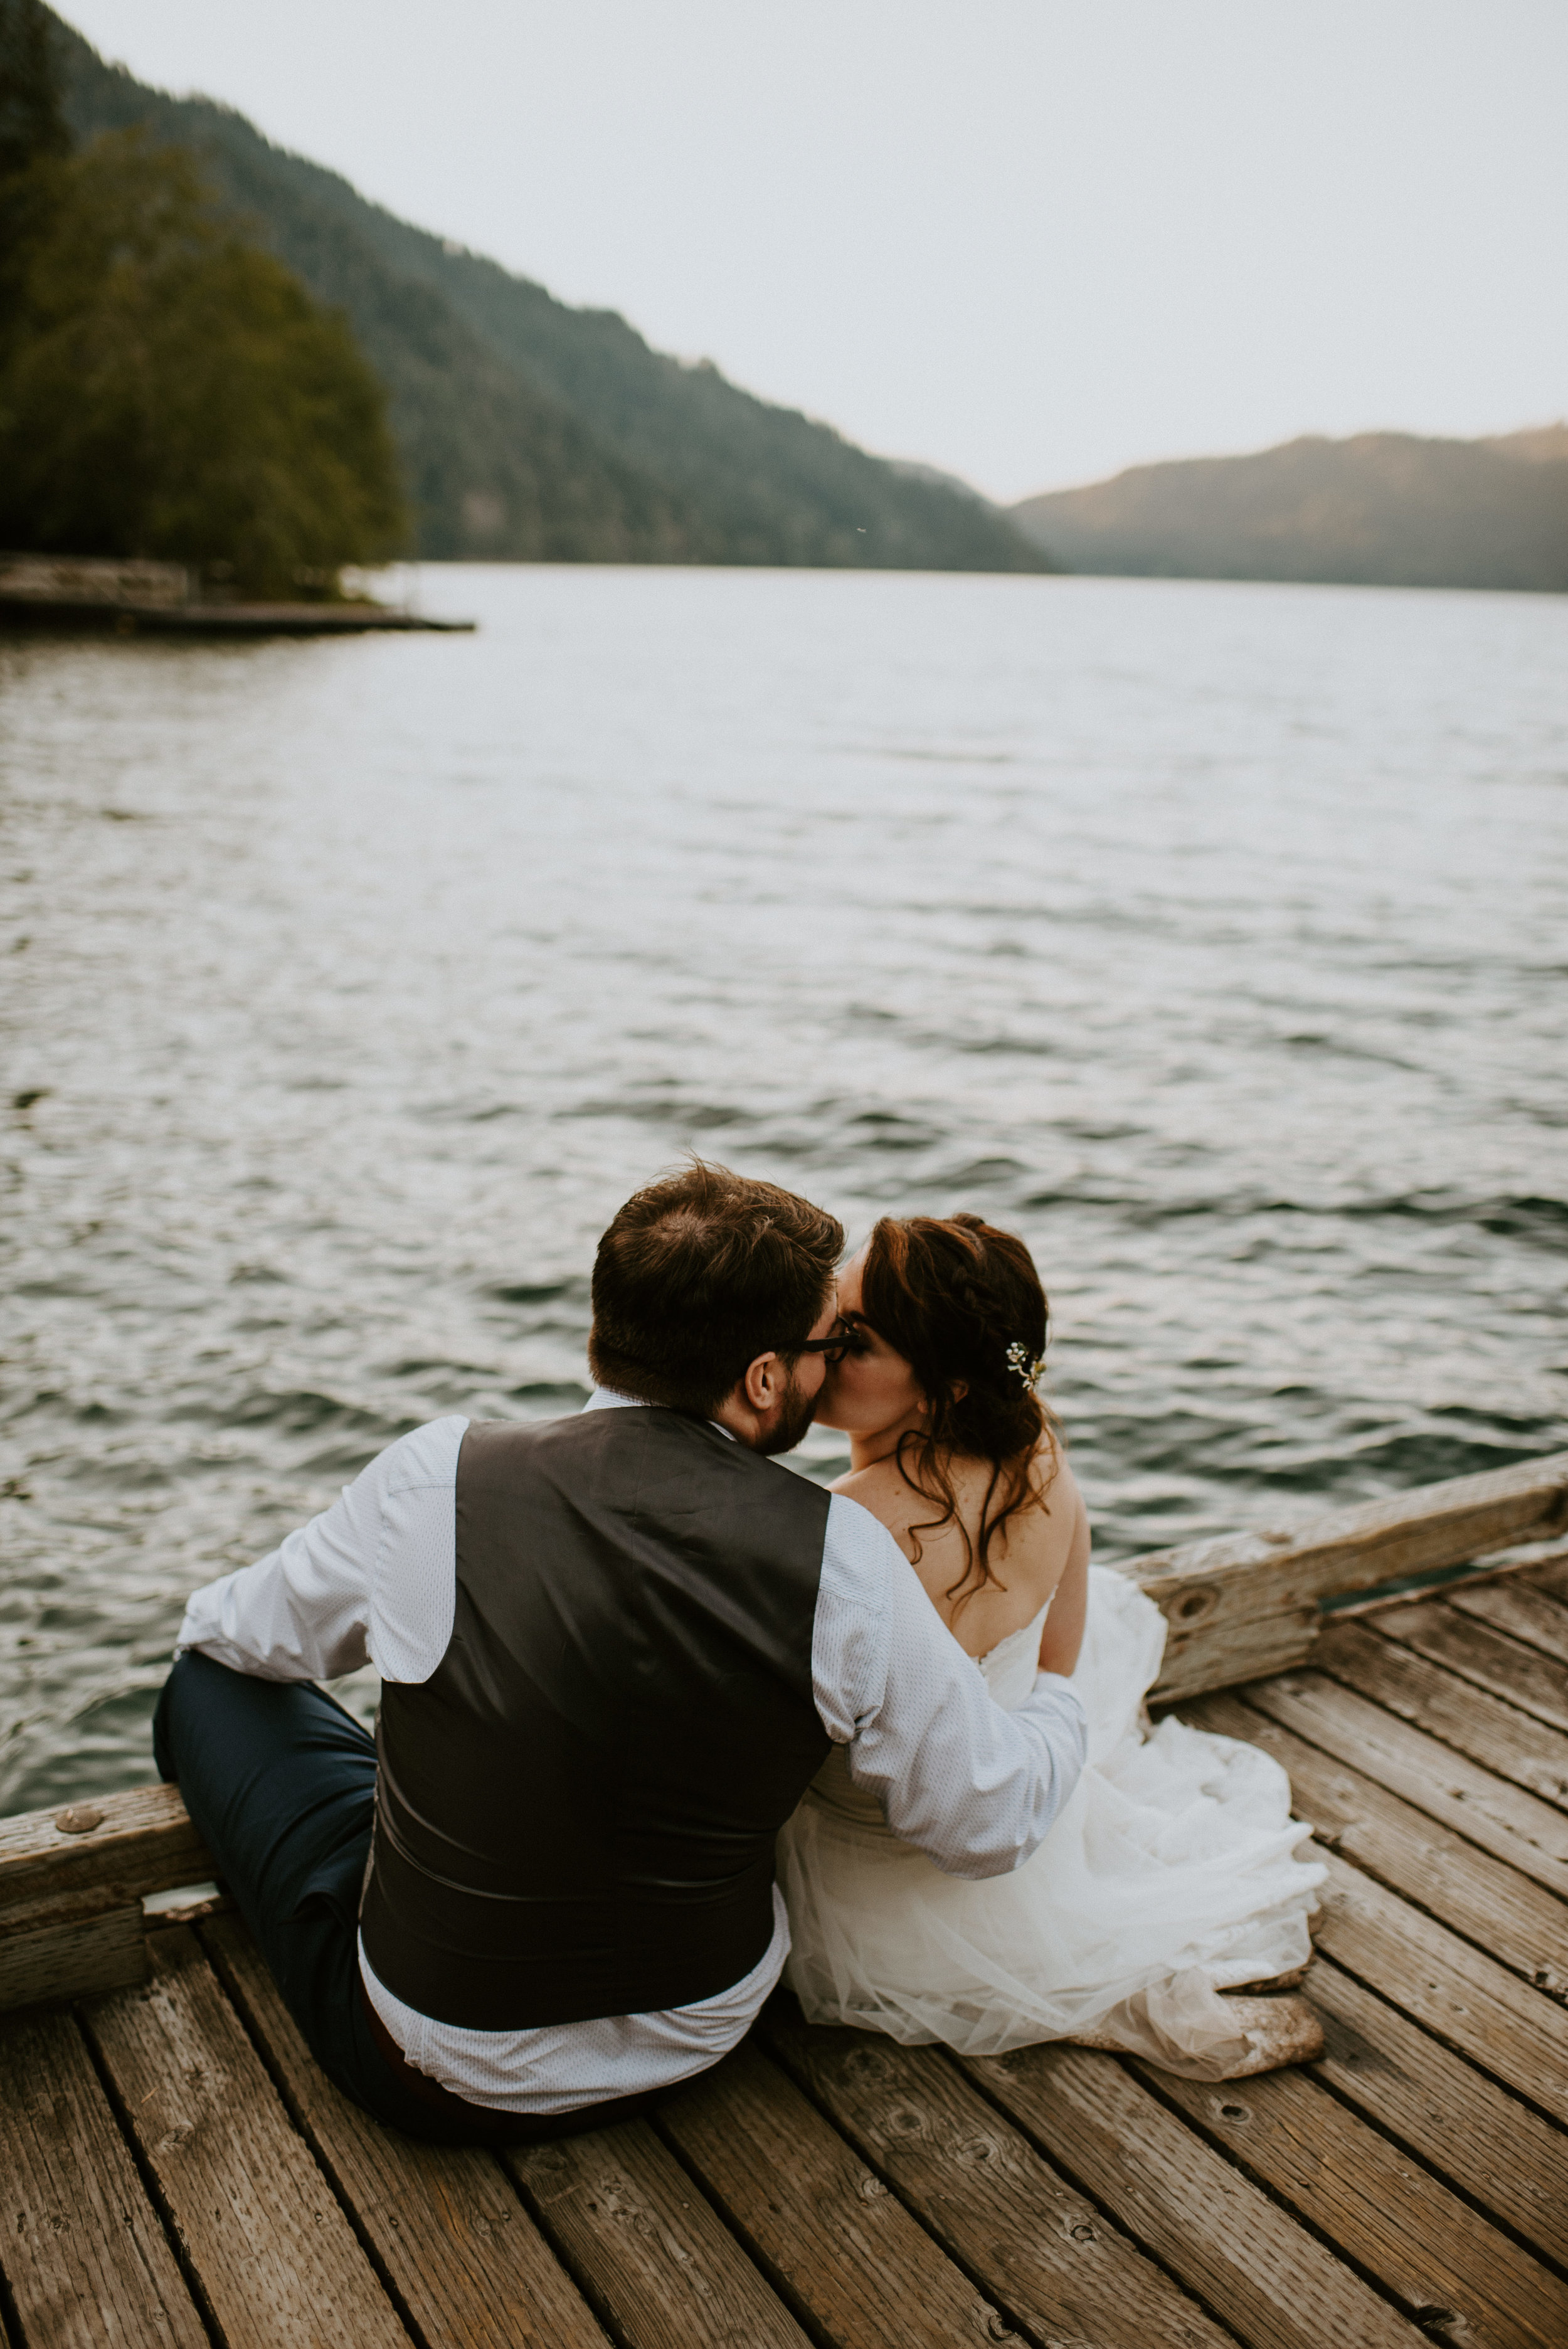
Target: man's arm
(316, 1606)
(975, 1788)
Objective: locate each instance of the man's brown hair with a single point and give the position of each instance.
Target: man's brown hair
(698, 1275)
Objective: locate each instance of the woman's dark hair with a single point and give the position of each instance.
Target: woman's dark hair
(954, 1297)
(698, 1275)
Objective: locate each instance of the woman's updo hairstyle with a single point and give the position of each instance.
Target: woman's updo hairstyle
(961, 1302)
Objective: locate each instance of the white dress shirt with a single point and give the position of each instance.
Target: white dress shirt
(374, 1579)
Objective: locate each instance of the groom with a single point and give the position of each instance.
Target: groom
(614, 1649)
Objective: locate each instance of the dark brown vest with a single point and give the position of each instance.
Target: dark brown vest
(577, 1812)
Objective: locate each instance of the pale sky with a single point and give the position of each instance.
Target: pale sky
(1030, 241)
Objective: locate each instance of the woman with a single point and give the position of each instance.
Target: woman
(1171, 1876)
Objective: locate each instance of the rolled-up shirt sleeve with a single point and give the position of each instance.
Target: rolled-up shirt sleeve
(973, 1787)
(321, 1603)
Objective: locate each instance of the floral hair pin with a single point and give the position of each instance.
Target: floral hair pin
(1028, 1370)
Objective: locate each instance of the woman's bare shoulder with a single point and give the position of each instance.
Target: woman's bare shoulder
(884, 1490)
(1053, 1474)
(872, 1487)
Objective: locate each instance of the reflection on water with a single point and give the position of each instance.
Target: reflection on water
(1213, 936)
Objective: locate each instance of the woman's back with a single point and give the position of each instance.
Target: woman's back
(1029, 1555)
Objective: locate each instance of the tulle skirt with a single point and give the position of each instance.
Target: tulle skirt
(1171, 1874)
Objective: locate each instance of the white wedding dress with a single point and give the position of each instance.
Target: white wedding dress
(1171, 1874)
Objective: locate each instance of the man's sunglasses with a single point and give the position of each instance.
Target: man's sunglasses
(834, 1348)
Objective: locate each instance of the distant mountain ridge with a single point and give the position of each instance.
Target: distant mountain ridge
(1384, 509)
(531, 430)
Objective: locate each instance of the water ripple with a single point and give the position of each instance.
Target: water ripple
(1210, 936)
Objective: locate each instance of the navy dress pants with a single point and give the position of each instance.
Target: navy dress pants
(281, 1783)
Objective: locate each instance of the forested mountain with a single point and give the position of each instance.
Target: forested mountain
(1385, 509)
(529, 430)
(168, 389)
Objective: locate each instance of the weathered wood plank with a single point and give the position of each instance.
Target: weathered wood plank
(1513, 1825)
(63, 1949)
(1221, 1653)
(996, 2204)
(1512, 1918)
(141, 1841)
(72, 1882)
(1490, 1659)
(652, 2253)
(1489, 1731)
(1219, 1598)
(83, 2253)
(1451, 2116)
(1520, 1608)
(1550, 1576)
(1461, 1995)
(1449, 2268)
(275, 2256)
(1272, 2282)
(444, 2223)
(823, 2226)
(1493, 1566)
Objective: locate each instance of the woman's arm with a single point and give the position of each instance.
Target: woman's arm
(1063, 1635)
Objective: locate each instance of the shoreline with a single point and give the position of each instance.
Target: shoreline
(68, 613)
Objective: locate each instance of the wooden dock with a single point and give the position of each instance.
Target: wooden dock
(174, 2170)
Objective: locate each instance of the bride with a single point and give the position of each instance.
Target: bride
(1171, 1876)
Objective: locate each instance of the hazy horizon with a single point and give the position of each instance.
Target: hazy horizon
(1032, 244)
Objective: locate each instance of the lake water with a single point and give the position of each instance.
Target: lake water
(1213, 936)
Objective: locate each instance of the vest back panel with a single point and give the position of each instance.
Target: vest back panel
(577, 1812)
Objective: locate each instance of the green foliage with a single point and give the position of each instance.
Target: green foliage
(532, 430)
(33, 130)
(171, 391)
(31, 87)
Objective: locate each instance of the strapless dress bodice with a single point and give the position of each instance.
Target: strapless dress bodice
(1008, 1671)
(1009, 1668)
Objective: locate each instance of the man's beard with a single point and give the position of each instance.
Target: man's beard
(796, 1413)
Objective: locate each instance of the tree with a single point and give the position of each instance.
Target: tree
(31, 87)
(33, 130)
(172, 390)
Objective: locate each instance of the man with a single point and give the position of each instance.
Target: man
(614, 1649)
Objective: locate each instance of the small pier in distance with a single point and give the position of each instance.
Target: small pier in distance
(174, 2170)
(128, 598)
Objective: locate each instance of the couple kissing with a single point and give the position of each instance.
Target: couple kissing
(663, 1724)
